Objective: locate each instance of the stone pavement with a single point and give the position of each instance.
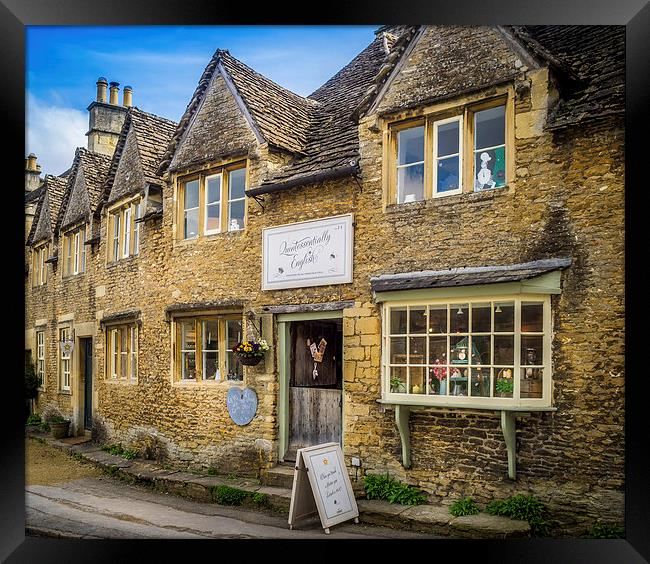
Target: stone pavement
(276, 485)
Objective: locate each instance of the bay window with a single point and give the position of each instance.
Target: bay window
(212, 202)
(122, 352)
(462, 149)
(480, 351)
(203, 348)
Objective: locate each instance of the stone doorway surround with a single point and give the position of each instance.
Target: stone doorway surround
(284, 315)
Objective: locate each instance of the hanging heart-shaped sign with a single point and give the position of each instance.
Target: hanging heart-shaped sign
(242, 404)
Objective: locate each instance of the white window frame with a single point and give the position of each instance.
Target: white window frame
(126, 243)
(491, 402)
(40, 357)
(232, 200)
(186, 210)
(408, 165)
(65, 361)
(117, 221)
(206, 205)
(475, 151)
(436, 158)
(137, 210)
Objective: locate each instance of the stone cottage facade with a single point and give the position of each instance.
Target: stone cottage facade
(443, 218)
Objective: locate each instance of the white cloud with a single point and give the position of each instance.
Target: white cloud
(53, 133)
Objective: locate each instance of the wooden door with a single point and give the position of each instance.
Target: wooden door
(314, 397)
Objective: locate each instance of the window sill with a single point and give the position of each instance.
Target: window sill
(480, 406)
(124, 382)
(451, 199)
(65, 392)
(209, 237)
(122, 261)
(67, 277)
(189, 384)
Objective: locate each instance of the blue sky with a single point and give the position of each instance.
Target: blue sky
(163, 65)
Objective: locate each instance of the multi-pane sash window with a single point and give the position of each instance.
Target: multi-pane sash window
(428, 156)
(122, 347)
(40, 357)
(65, 359)
(74, 252)
(490, 148)
(191, 210)
(236, 199)
(204, 348)
(136, 228)
(469, 351)
(448, 153)
(212, 203)
(125, 230)
(410, 164)
(126, 240)
(39, 267)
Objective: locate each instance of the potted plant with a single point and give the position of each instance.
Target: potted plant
(505, 384)
(59, 426)
(397, 386)
(250, 353)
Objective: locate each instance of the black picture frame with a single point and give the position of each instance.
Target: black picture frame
(633, 14)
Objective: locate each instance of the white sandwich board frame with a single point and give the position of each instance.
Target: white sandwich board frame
(321, 485)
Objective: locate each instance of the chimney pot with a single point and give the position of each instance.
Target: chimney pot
(127, 97)
(31, 162)
(115, 86)
(101, 89)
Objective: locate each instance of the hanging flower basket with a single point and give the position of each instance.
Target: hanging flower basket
(249, 360)
(250, 353)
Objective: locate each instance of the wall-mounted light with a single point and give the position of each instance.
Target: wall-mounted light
(497, 309)
(460, 311)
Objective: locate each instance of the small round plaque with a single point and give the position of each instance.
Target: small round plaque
(242, 404)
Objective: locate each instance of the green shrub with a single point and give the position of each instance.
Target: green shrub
(378, 486)
(117, 450)
(34, 419)
(260, 499)
(226, 495)
(44, 426)
(523, 507)
(57, 419)
(602, 530)
(212, 471)
(465, 506)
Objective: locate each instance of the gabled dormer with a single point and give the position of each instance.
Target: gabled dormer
(40, 240)
(75, 226)
(132, 193)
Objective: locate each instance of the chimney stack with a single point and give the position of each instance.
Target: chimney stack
(30, 163)
(101, 89)
(105, 120)
(115, 86)
(127, 97)
(32, 173)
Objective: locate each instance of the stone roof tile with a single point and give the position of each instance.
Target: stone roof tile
(466, 276)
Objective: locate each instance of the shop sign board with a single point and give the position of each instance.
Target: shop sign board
(309, 253)
(321, 485)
